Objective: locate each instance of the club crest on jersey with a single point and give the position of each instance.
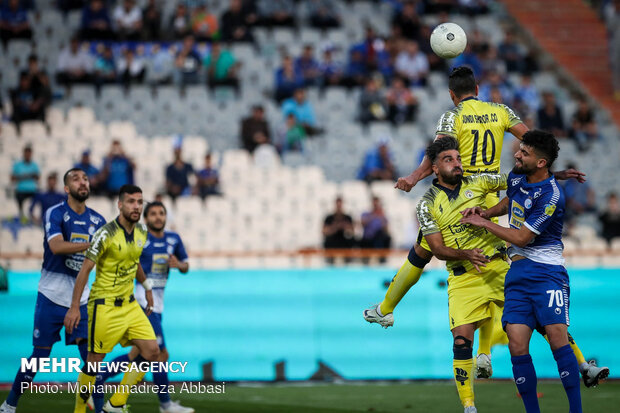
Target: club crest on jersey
(139, 243)
(549, 209)
(528, 203)
(469, 194)
(91, 230)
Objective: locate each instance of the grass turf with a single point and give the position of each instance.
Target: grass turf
(491, 396)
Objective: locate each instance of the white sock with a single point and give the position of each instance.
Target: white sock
(379, 310)
(583, 367)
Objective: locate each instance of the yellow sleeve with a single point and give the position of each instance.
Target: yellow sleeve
(491, 182)
(510, 117)
(428, 225)
(448, 124)
(98, 244)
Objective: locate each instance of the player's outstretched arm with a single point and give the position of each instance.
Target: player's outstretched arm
(148, 289)
(519, 237)
(570, 174)
(439, 250)
(59, 246)
(72, 318)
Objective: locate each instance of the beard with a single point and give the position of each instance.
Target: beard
(79, 197)
(521, 170)
(128, 217)
(453, 179)
(155, 228)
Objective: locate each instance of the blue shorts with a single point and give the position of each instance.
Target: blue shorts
(49, 319)
(536, 294)
(155, 319)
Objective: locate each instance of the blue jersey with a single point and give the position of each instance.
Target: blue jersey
(58, 272)
(154, 261)
(540, 208)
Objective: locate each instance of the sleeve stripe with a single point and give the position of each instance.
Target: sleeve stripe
(528, 226)
(554, 200)
(49, 238)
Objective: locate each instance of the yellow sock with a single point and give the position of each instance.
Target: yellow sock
(464, 379)
(129, 379)
(85, 383)
(485, 334)
(578, 354)
(404, 279)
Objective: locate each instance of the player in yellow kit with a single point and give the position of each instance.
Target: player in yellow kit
(114, 315)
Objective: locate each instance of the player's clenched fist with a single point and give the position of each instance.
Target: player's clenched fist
(406, 183)
(72, 319)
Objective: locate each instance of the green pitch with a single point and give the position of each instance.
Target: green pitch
(431, 397)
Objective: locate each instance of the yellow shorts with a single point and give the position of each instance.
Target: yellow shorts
(109, 324)
(471, 294)
(491, 200)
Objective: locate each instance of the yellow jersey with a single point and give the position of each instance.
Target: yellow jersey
(440, 208)
(116, 254)
(479, 128)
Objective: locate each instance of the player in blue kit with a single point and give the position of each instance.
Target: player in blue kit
(163, 250)
(69, 227)
(536, 289)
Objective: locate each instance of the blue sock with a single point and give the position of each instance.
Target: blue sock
(569, 373)
(106, 375)
(161, 379)
(83, 348)
(525, 379)
(98, 397)
(25, 376)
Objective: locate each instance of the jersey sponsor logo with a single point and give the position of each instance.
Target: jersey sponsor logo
(160, 265)
(74, 264)
(528, 203)
(79, 222)
(549, 209)
(95, 220)
(66, 217)
(469, 194)
(486, 118)
(158, 244)
(524, 191)
(517, 215)
(515, 181)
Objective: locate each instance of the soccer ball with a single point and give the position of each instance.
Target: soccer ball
(448, 40)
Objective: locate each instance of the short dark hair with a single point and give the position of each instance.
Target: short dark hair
(440, 145)
(65, 177)
(544, 143)
(153, 205)
(128, 189)
(462, 81)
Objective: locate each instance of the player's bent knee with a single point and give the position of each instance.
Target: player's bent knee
(462, 348)
(151, 353)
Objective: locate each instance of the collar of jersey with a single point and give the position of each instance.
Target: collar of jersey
(469, 98)
(128, 236)
(451, 193)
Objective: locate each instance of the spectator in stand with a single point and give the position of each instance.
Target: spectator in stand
(407, 22)
(255, 129)
(496, 81)
(412, 65)
(222, 68)
(91, 171)
(14, 22)
(511, 53)
(584, 130)
(96, 23)
(280, 13)
(25, 175)
(292, 135)
(402, 104)
(235, 23)
(372, 105)
(376, 234)
(39, 81)
(288, 79)
(177, 176)
(550, 116)
(610, 218)
(74, 64)
(308, 66)
(131, 68)
(323, 14)
(205, 26)
(28, 103)
(128, 20)
(180, 25)
(331, 72)
(187, 63)
(356, 72)
(105, 68)
(118, 170)
(46, 199)
(160, 67)
(338, 231)
(151, 21)
(580, 198)
(303, 110)
(371, 47)
(470, 59)
(378, 163)
(527, 99)
(208, 180)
